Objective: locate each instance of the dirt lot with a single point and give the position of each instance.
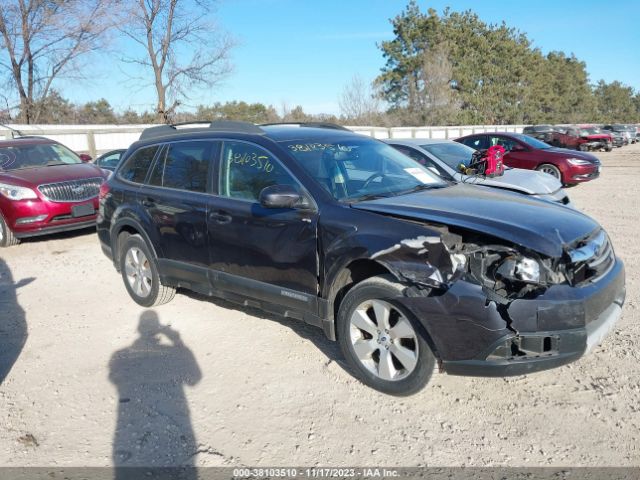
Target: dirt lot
(203, 382)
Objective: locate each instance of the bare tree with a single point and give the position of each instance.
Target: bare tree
(358, 103)
(42, 40)
(182, 49)
(433, 100)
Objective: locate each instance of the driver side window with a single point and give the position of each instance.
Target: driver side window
(246, 169)
(505, 143)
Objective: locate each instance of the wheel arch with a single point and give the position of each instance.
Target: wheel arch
(119, 233)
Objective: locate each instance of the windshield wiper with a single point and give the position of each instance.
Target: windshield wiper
(419, 188)
(369, 196)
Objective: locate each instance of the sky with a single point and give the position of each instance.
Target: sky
(304, 52)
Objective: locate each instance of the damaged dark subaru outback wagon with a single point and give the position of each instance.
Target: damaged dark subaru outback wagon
(342, 231)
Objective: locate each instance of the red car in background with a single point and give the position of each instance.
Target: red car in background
(45, 188)
(582, 137)
(521, 151)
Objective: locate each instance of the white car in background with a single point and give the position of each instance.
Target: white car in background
(444, 157)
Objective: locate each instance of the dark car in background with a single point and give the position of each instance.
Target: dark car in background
(522, 151)
(44, 188)
(620, 130)
(618, 138)
(543, 133)
(344, 232)
(110, 160)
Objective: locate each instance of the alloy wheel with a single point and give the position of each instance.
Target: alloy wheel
(550, 171)
(383, 339)
(138, 272)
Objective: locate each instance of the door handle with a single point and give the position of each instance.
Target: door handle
(220, 217)
(148, 202)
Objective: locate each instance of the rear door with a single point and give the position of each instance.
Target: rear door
(266, 253)
(175, 197)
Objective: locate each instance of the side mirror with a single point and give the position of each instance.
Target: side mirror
(280, 196)
(85, 158)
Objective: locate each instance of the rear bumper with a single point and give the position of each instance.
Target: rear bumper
(472, 336)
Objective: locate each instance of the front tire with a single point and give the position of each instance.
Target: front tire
(7, 238)
(550, 170)
(382, 341)
(140, 274)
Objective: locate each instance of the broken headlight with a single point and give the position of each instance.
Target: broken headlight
(505, 273)
(520, 269)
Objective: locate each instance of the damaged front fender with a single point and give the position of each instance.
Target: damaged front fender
(426, 261)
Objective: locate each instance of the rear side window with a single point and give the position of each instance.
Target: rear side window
(184, 166)
(135, 169)
(246, 169)
(477, 143)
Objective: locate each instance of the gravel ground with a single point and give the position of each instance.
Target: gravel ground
(201, 382)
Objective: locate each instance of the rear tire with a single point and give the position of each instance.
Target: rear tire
(383, 342)
(7, 238)
(140, 274)
(550, 170)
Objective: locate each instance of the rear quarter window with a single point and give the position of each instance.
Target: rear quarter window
(136, 167)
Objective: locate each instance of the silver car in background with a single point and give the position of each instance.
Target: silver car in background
(444, 157)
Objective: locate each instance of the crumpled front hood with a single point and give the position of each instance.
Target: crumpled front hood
(530, 182)
(544, 227)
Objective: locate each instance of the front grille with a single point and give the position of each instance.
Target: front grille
(592, 259)
(72, 191)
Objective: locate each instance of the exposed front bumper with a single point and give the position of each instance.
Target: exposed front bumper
(53, 217)
(566, 346)
(472, 336)
(583, 173)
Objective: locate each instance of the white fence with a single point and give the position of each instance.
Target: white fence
(97, 139)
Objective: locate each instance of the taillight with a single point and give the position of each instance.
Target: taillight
(104, 190)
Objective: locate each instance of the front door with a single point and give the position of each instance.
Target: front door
(266, 253)
(516, 155)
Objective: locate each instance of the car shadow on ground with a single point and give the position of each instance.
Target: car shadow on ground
(309, 332)
(61, 235)
(153, 427)
(13, 323)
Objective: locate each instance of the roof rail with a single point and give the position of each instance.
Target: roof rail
(332, 126)
(216, 126)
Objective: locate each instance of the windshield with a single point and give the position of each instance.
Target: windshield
(358, 169)
(17, 157)
(453, 154)
(532, 142)
(588, 131)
